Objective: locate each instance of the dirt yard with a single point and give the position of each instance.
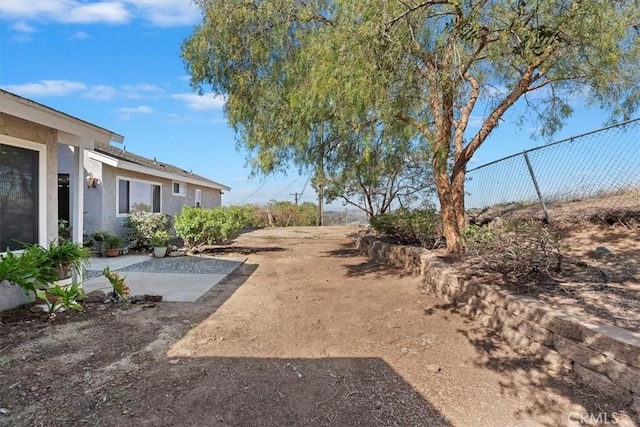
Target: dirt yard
(306, 332)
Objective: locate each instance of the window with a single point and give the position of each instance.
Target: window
(179, 188)
(136, 195)
(198, 197)
(22, 193)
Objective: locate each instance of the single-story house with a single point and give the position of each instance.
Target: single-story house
(30, 137)
(119, 182)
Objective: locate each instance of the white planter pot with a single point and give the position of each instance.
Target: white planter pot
(159, 252)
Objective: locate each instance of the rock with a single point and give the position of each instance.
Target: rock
(601, 252)
(137, 299)
(176, 253)
(150, 305)
(496, 224)
(36, 309)
(433, 368)
(108, 301)
(4, 411)
(174, 361)
(95, 296)
(153, 298)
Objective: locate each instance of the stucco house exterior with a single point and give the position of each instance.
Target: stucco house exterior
(30, 136)
(118, 182)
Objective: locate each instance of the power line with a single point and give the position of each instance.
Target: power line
(256, 190)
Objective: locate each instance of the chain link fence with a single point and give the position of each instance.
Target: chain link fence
(602, 167)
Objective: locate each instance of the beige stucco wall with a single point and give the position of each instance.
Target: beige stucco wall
(171, 204)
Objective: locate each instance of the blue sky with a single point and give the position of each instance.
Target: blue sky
(117, 64)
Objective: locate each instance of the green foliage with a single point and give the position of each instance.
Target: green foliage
(65, 257)
(160, 239)
(53, 304)
(26, 269)
(419, 226)
(477, 237)
(198, 226)
(68, 297)
(285, 214)
(323, 84)
(120, 288)
(143, 225)
(112, 241)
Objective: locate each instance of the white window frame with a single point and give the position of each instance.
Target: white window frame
(198, 198)
(126, 178)
(42, 180)
(183, 187)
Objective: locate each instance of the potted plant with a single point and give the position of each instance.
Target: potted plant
(112, 244)
(159, 242)
(66, 257)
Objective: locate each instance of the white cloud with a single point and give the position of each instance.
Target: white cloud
(80, 35)
(160, 13)
(201, 102)
(104, 13)
(101, 92)
(140, 109)
(47, 88)
(163, 13)
(66, 11)
(23, 27)
(126, 112)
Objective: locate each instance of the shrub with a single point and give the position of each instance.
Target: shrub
(410, 227)
(143, 225)
(198, 226)
(521, 249)
(29, 270)
(284, 214)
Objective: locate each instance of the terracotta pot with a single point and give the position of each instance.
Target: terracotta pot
(112, 252)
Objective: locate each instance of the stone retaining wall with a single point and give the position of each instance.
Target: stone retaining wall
(605, 357)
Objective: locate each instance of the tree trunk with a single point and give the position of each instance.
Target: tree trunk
(451, 196)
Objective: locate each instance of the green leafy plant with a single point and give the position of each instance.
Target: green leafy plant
(53, 304)
(112, 241)
(476, 237)
(410, 227)
(198, 226)
(69, 297)
(30, 270)
(160, 239)
(120, 288)
(143, 225)
(66, 257)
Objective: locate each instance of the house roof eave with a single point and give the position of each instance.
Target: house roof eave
(123, 164)
(32, 111)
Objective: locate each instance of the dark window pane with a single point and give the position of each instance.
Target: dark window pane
(18, 197)
(123, 196)
(156, 198)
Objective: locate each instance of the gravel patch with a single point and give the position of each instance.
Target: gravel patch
(92, 273)
(185, 264)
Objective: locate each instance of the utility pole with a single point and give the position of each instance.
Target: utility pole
(295, 196)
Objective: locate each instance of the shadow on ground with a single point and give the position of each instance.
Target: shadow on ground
(368, 266)
(222, 391)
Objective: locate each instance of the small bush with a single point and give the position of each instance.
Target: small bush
(198, 226)
(410, 227)
(524, 250)
(143, 225)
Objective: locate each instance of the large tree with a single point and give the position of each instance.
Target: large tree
(412, 69)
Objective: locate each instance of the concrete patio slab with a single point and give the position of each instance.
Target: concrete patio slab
(172, 286)
(183, 279)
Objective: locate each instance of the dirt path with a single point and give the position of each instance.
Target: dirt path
(307, 332)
